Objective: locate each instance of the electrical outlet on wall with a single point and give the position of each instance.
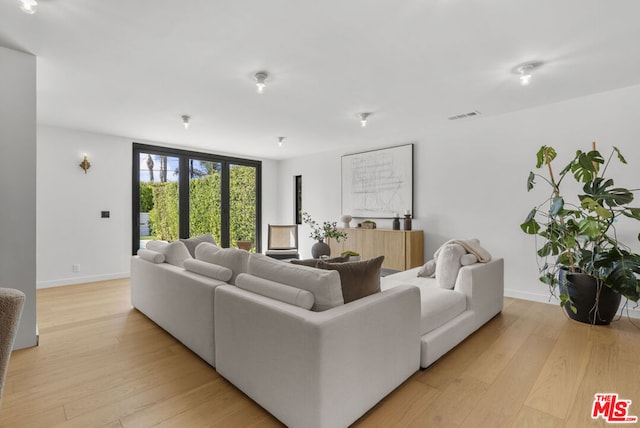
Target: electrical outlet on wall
(75, 267)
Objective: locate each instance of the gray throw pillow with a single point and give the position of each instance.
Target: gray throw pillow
(193, 242)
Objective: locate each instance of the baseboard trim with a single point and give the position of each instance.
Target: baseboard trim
(631, 311)
(81, 280)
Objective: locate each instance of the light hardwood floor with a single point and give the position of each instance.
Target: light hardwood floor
(102, 363)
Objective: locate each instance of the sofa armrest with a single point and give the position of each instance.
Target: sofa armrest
(483, 285)
(317, 369)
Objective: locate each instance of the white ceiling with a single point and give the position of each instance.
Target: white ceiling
(132, 68)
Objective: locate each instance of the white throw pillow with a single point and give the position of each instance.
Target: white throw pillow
(275, 290)
(323, 284)
(156, 245)
(231, 258)
(210, 270)
(428, 270)
(175, 253)
(448, 265)
(468, 259)
(151, 256)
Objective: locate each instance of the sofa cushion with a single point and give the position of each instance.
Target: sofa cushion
(448, 264)
(438, 306)
(275, 290)
(210, 270)
(175, 253)
(314, 262)
(357, 279)
(468, 259)
(193, 242)
(231, 258)
(155, 245)
(151, 256)
(323, 284)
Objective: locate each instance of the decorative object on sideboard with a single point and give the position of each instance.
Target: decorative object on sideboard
(396, 221)
(407, 220)
(354, 256)
(368, 224)
(85, 164)
(346, 219)
(328, 229)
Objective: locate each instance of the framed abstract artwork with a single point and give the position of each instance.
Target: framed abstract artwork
(378, 183)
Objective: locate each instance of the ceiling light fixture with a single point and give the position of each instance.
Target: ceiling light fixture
(364, 117)
(29, 6)
(280, 139)
(525, 71)
(185, 121)
(261, 76)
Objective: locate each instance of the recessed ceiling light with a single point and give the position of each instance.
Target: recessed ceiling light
(185, 121)
(525, 71)
(28, 6)
(280, 139)
(364, 118)
(261, 76)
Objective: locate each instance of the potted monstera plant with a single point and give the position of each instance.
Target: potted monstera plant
(580, 252)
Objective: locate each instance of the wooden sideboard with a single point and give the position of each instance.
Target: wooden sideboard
(402, 249)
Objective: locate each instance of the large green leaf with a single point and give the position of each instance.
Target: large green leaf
(620, 157)
(556, 206)
(590, 227)
(587, 165)
(530, 180)
(543, 153)
(632, 212)
(599, 190)
(620, 269)
(530, 225)
(589, 204)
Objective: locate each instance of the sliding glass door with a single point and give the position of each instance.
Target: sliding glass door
(158, 197)
(218, 195)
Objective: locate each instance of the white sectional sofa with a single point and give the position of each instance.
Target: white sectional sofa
(179, 301)
(283, 335)
(449, 316)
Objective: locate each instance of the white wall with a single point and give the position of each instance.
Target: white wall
(18, 184)
(70, 230)
(470, 176)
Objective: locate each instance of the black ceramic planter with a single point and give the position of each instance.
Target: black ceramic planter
(583, 291)
(320, 248)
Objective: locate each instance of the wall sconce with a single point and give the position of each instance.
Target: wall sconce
(85, 164)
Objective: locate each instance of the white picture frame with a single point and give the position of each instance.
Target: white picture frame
(378, 183)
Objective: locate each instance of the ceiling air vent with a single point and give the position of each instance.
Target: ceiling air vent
(465, 115)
